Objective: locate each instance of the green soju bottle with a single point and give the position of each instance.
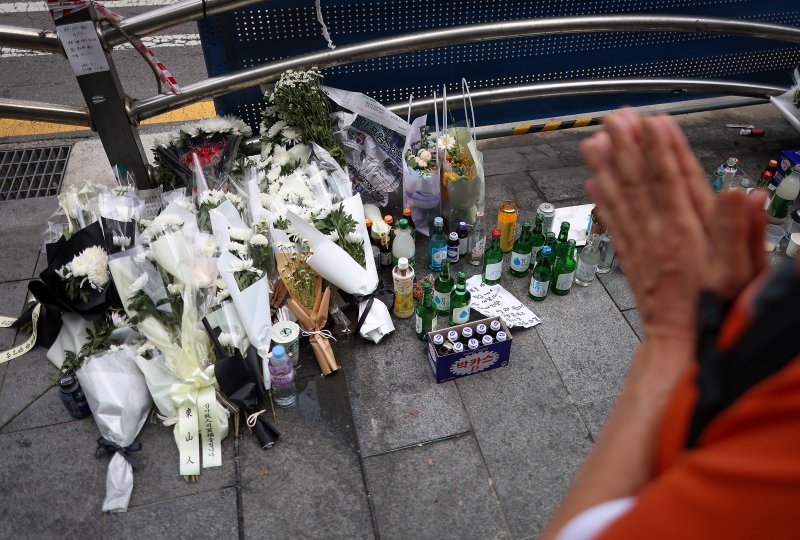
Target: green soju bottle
(564, 270)
(521, 252)
(459, 302)
(443, 289)
(537, 239)
(549, 241)
(493, 260)
(561, 241)
(540, 280)
(426, 313)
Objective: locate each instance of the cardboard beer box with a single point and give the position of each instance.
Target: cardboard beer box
(447, 367)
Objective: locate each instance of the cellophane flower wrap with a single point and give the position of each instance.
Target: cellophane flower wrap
(788, 103)
(120, 402)
(421, 173)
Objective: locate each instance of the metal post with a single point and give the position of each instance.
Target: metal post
(108, 105)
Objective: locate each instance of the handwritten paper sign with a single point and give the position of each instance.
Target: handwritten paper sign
(83, 49)
(494, 300)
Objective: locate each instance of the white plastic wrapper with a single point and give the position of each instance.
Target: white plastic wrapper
(118, 397)
(334, 264)
(785, 103)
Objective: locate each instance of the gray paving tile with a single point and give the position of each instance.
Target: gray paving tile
(22, 223)
(206, 515)
(530, 433)
(53, 487)
(617, 286)
(596, 412)
(440, 490)
(633, 318)
(158, 479)
(505, 160)
(310, 484)
(562, 183)
(47, 410)
(569, 150)
(589, 341)
(396, 401)
(27, 378)
(518, 187)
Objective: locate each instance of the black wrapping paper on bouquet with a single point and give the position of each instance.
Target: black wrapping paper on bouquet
(121, 229)
(50, 290)
(239, 378)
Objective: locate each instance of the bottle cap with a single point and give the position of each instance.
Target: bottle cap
(546, 250)
(772, 163)
(501, 336)
(278, 352)
(403, 224)
(539, 216)
(526, 224)
(767, 174)
(495, 233)
(732, 162)
(565, 225)
(466, 333)
(402, 263)
(388, 220)
(487, 340)
(438, 221)
(462, 224)
(473, 343)
(462, 276)
(407, 212)
(438, 339)
(495, 326)
(426, 286)
(458, 347)
(452, 335)
(480, 329)
(570, 243)
(479, 215)
(369, 223)
(546, 208)
(67, 383)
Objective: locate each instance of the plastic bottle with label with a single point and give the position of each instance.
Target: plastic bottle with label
(493, 260)
(281, 372)
(438, 245)
(403, 244)
(784, 197)
(459, 301)
(403, 278)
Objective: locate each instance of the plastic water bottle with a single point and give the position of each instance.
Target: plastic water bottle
(282, 373)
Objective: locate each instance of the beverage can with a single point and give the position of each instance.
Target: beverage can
(287, 333)
(549, 213)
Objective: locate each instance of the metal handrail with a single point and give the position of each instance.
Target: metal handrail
(29, 38)
(522, 92)
(44, 112)
(137, 25)
(270, 72)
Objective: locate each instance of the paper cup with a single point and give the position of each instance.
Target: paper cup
(794, 244)
(287, 333)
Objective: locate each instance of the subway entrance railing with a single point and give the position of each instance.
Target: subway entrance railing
(613, 58)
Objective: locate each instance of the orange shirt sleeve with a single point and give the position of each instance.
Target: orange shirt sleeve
(742, 481)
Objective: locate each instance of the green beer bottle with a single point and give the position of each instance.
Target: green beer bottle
(426, 313)
(537, 239)
(459, 302)
(540, 280)
(561, 241)
(549, 241)
(521, 252)
(493, 260)
(564, 270)
(442, 289)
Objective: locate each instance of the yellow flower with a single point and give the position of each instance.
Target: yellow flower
(449, 177)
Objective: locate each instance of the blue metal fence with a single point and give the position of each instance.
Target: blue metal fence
(283, 28)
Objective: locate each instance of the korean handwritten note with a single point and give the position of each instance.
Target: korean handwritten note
(84, 52)
(494, 300)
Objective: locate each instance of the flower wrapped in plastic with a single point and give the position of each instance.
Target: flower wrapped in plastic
(788, 103)
(119, 399)
(462, 178)
(421, 189)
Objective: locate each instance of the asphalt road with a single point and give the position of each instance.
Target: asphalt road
(48, 78)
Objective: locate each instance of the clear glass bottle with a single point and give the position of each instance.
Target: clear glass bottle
(403, 244)
(493, 260)
(281, 372)
(403, 278)
(607, 253)
(459, 301)
(443, 289)
(426, 317)
(477, 241)
(588, 261)
(438, 245)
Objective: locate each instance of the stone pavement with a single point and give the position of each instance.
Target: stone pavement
(380, 451)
